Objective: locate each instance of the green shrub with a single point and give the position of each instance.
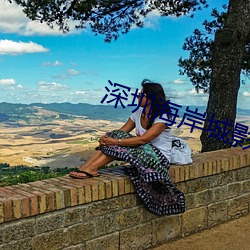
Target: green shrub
(23, 174)
(246, 141)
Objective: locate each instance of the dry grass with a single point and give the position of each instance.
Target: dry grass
(17, 144)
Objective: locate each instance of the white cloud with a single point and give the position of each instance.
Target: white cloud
(10, 84)
(7, 82)
(51, 86)
(152, 19)
(180, 93)
(90, 72)
(192, 92)
(11, 17)
(70, 72)
(15, 48)
(13, 20)
(92, 96)
(73, 72)
(186, 97)
(246, 93)
(178, 81)
(80, 92)
(19, 86)
(55, 63)
(60, 76)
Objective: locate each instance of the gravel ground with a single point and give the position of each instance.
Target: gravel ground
(232, 235)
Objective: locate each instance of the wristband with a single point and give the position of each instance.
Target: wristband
(119, 141)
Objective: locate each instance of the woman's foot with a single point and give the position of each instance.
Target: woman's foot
(83, 174)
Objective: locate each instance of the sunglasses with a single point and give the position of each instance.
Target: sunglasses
(141, 95)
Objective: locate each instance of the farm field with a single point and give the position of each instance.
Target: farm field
(67, 142)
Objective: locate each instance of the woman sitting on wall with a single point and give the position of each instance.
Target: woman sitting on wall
(148, 153)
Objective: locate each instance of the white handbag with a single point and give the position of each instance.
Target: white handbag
(180, 152)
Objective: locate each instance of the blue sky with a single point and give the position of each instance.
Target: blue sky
(38, 64)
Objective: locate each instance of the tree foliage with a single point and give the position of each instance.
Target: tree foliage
(198, 66)
(214, 66)
(108, 17)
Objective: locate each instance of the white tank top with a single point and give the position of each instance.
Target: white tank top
(162, 141)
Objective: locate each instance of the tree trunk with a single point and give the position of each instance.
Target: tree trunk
(227, 56)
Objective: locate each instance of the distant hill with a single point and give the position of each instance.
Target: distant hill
(93, 112)
(243, 112)
(40, 112)
(28, 113)
(3, 117)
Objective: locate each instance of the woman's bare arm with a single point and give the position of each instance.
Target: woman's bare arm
(128, 126)
(135, 141)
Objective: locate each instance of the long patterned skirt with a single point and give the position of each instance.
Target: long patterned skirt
(149, 173)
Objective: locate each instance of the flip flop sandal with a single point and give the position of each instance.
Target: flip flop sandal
(87, 175)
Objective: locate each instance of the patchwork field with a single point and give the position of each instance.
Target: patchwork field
(62, 143)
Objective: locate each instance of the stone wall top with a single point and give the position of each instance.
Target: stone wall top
(39, 197)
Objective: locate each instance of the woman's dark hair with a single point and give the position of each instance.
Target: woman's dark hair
(155, 92)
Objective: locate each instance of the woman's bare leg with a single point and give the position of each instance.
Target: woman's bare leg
(92, 159)
(98, 160)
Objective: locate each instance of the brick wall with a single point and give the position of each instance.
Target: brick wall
(105, 212)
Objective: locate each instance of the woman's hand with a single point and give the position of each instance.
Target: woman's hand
(107, 141)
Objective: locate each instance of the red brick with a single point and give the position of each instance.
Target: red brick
(78, 184)
(1, 211)
(201, 170)
(121, 185)
(114, 184)
(49, 196)
(17, 210)
(177, 174)
(230, 166)
(25, 200)
(87, 193)
(197, 167)
(25, 206)
(225, 164)
(94, 193)
(7, 209)
(172, 174)
(96, 183)
(41, 201)
(107, 189)
(59, 198)
(127, 185)
(6, 192)
(210, 168)
(243, 160)
(187, 172)
(33, 200)
(101, 191)
(219, 165)
(214, 166)
(132, 188)
(238, 164)
(248, 157)
(73, 195)
(39, 184)
(50, 200)
(192, 171)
